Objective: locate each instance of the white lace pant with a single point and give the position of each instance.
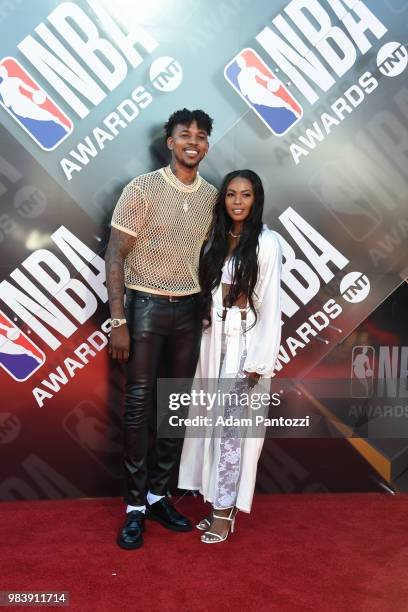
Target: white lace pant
(229, 463)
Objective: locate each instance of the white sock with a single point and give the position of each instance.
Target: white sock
(152, 498)
(140, 508)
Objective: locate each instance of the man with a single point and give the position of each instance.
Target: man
(158, 227)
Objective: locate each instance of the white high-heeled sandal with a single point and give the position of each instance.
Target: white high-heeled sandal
(216, 536)
(204, 524)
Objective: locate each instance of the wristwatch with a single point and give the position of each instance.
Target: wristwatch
(117, 322)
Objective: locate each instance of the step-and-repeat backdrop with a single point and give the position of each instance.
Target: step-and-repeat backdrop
(312, 95)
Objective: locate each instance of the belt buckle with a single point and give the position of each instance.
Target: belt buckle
(173, 298)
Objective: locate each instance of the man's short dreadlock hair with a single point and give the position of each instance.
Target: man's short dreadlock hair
(186, 117)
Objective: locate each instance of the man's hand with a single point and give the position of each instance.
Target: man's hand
(120, 244)
(119, 343)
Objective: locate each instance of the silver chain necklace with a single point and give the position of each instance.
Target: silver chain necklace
(182, 187)
(233, 235)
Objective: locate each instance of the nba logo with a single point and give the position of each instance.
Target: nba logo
(362, 371)
(263, 92)
(18, 355)
(31, 107)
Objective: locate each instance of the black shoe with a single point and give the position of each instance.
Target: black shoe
(131, 534)
(164, 513)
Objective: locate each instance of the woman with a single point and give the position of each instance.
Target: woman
(240, 283)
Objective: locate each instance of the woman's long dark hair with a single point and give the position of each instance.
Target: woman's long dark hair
(215, 250)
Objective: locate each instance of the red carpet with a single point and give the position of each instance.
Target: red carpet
(329, 552)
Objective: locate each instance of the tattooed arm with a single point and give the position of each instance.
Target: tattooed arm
(120, 244)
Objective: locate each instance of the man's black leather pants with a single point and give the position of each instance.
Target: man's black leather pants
(160, 330)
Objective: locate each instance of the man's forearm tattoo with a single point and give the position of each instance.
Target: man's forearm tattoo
(119, 246)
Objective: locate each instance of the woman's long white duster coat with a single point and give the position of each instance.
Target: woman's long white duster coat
(198, 460)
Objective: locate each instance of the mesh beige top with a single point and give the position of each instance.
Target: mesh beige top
(170, 221)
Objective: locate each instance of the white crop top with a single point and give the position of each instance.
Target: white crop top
(228, 271)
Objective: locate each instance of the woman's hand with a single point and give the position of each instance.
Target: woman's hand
(253, 377)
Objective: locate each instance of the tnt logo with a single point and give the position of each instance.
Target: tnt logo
(263, 92)
(397, 6)
(392, 59)
(166, 74)
(99, 436)
(31, 107)
(18, 355)
(354, 287)
(10, 427)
